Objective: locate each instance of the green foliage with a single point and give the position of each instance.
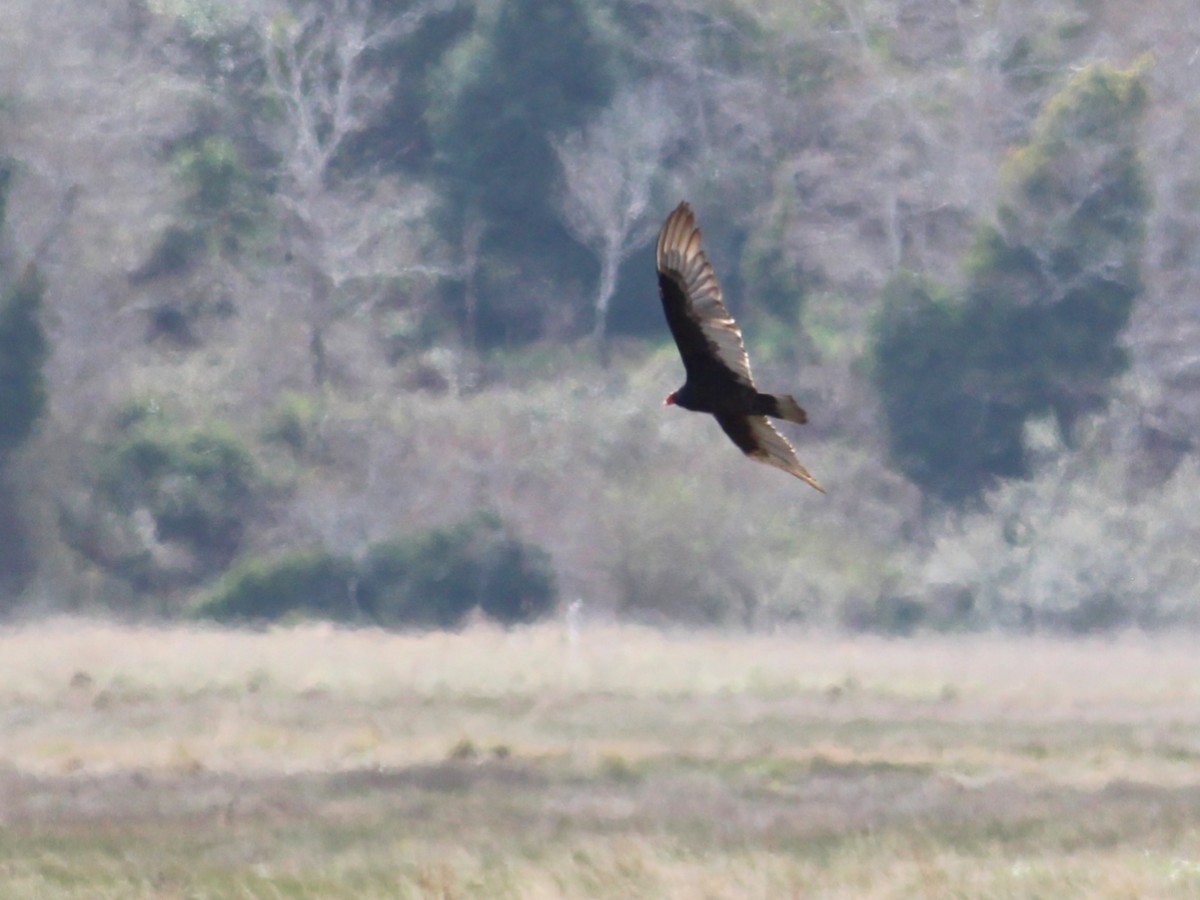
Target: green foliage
(199, 487)
(1071, 237)
(176, 251)
(1034, 57)
(437, 577)
(220, 214)
(519, 584)
(308, 582)
(22, 353)
(935, 608)
(399, 137)
(431, 579)
(6, 173)
(948, 436)
(542, 71)
(772, 279)
(778, 288)
(1100, 104)
(294, 424)
(533, 71)
(18, 561)
(223, 200)
(1049, 290)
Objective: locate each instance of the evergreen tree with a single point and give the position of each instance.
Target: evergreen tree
(22, 396)
(6, 172)
(539, 70)
(1049, 288)
(1055, 281)
(543, 72)
(22, 346)
(22, 352)
(943, 435)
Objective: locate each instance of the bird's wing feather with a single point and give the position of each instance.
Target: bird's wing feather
(759, 440)
(692, 300)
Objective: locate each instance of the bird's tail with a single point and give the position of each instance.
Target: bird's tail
(782, 406)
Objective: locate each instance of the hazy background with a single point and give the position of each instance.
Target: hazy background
(345, 312)
(348, 309)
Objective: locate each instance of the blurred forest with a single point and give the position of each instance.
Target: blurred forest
(347, 308)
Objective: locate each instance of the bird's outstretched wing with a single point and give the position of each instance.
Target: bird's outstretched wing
(705, 333)
(759, 440)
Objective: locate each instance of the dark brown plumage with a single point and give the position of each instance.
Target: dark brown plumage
(718, 372)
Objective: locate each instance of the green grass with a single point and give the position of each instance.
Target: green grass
(317, 762)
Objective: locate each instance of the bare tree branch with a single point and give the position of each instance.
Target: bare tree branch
(316, 57)
(610, 169)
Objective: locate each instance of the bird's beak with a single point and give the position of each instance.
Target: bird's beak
(670, 400)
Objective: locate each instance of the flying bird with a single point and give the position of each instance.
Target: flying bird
(718, 371)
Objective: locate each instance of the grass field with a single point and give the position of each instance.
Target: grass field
(314, 762)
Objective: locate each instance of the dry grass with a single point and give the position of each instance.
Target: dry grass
(316, 762)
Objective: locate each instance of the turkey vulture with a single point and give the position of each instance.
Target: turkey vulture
(718, 372)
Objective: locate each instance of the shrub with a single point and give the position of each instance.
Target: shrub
(177, 250)
(312, 582)
(6, 173)
(22, 352)
(221, 213)
(17, 559)
(519, 581)
(168, 506)
(683, 553)
(1074, 550)
(223, 202)
(437, 577)
(197, 485)
(295, 423)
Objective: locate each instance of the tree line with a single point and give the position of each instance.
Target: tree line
(447, 188)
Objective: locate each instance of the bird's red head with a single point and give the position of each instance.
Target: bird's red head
(670, 400)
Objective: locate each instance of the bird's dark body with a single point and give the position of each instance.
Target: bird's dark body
(719, 394)
(712, 390)
(711, 387)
